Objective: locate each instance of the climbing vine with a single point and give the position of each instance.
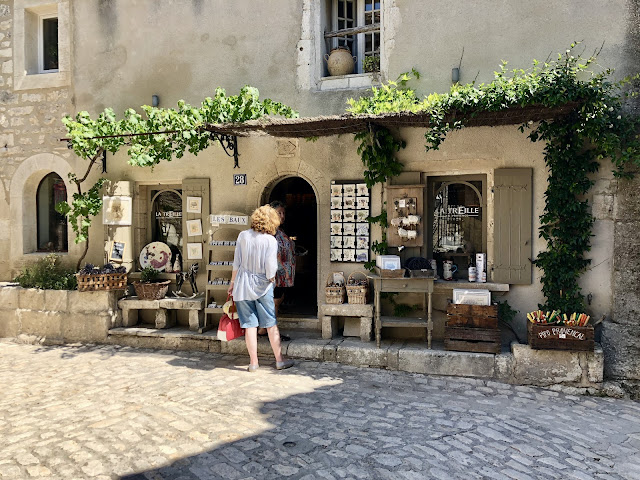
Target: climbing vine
(595, 129)
(161, 134)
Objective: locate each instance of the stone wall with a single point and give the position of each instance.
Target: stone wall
(58, 316)
(621, 332)
(29, 125)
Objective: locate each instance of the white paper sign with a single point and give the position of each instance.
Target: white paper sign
(228, 220)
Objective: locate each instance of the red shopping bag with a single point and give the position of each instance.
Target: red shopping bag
(229, 326)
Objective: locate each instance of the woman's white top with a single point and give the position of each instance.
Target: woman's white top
(256, 260)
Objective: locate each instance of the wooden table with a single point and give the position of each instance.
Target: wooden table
(402, 285)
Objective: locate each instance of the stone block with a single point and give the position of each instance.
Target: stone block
(545, 367)
(354, 352)
(31, 299)
(329, 352)
(193, 344)
(196, 320)
(595, 365)
(351, 327)
(504, 363)
(234, 347)
(56, 300)
(393, 350)
(10, 297)
(621, 351)
(79, 327)
(100, 301)
(329, 326)
(437, 362)
(309, 349)
(345, 310)
(41, 323)
(9, 324)
(164, 318)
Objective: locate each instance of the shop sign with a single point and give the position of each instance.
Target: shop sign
(463, 211)
(228, 220)
(240, 179)
(169, 214)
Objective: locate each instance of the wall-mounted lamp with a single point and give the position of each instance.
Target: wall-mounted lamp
(455, 75)
(155, 100)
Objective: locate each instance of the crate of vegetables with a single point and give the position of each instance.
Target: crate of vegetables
(557, 331)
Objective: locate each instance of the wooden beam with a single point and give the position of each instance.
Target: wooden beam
(345, 32)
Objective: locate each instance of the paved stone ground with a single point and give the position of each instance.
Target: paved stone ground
(114, 412)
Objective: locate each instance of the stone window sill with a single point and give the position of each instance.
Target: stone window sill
(349, 82)
(41, 80)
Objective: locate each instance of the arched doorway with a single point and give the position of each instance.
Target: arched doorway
(301, 223)
(51, 225)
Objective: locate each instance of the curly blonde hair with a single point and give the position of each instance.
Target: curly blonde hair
(265, 219)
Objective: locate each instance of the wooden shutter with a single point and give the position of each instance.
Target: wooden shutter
(195, 187)
(512, 219)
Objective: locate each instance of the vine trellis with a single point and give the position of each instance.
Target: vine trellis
(162, 134)
(596, 129)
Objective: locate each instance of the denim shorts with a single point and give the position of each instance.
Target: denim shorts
(257, 313)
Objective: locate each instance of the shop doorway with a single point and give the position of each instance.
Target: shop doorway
(301, 223)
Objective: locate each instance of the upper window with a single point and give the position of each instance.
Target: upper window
(52, 226)
(48, 44)
(42, 49)
(356, 26)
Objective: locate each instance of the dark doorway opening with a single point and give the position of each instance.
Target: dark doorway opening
(301, 223)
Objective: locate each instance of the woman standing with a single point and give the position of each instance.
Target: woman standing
(255, 264)
(286, 263)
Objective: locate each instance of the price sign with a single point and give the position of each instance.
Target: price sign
(240, 179)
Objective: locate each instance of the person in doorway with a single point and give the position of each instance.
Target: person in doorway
(286, 264)
(255, 263)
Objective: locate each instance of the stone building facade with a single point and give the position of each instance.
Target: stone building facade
(119, 54)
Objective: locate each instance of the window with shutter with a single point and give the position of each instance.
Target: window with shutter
(513, 225)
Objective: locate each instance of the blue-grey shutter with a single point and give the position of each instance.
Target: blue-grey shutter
(513, 224)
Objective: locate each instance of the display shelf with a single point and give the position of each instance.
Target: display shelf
(220, 267)
(219, 253)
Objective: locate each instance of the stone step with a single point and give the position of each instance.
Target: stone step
(298, 322)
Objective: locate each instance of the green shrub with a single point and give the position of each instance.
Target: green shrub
(149, 275)
(48, 273)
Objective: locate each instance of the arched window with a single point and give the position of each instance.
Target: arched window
(52, 226)
(166, 226)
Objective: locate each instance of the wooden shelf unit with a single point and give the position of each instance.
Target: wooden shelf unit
(219, 253)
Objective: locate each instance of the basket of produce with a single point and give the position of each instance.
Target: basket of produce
(357, 288)
(557, 331)
(109, 277)
(334, 289)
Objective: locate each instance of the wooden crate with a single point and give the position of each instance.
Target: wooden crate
(560, 337)
(473, 316)
(483, 340)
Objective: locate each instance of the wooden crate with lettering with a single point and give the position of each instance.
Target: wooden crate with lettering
(472, 328)
(560, 337)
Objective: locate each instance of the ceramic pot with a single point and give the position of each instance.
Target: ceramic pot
(340, 61)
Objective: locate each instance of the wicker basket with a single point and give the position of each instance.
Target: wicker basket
(357, 294)
(335, 294)
(399, 273)
(103, 281)
(151, 291)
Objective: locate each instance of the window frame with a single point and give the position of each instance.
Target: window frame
(466, 179)
(41, 39)
(359, 39)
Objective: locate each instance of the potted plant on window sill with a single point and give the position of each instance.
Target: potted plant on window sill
(371, 64)
(149, 287)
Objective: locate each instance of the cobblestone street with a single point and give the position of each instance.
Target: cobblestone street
(114, 412)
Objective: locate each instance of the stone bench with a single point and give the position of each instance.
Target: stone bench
(328, 313)
(166, 309)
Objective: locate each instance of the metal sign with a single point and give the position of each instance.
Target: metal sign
(239, 178)
(228, 220)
